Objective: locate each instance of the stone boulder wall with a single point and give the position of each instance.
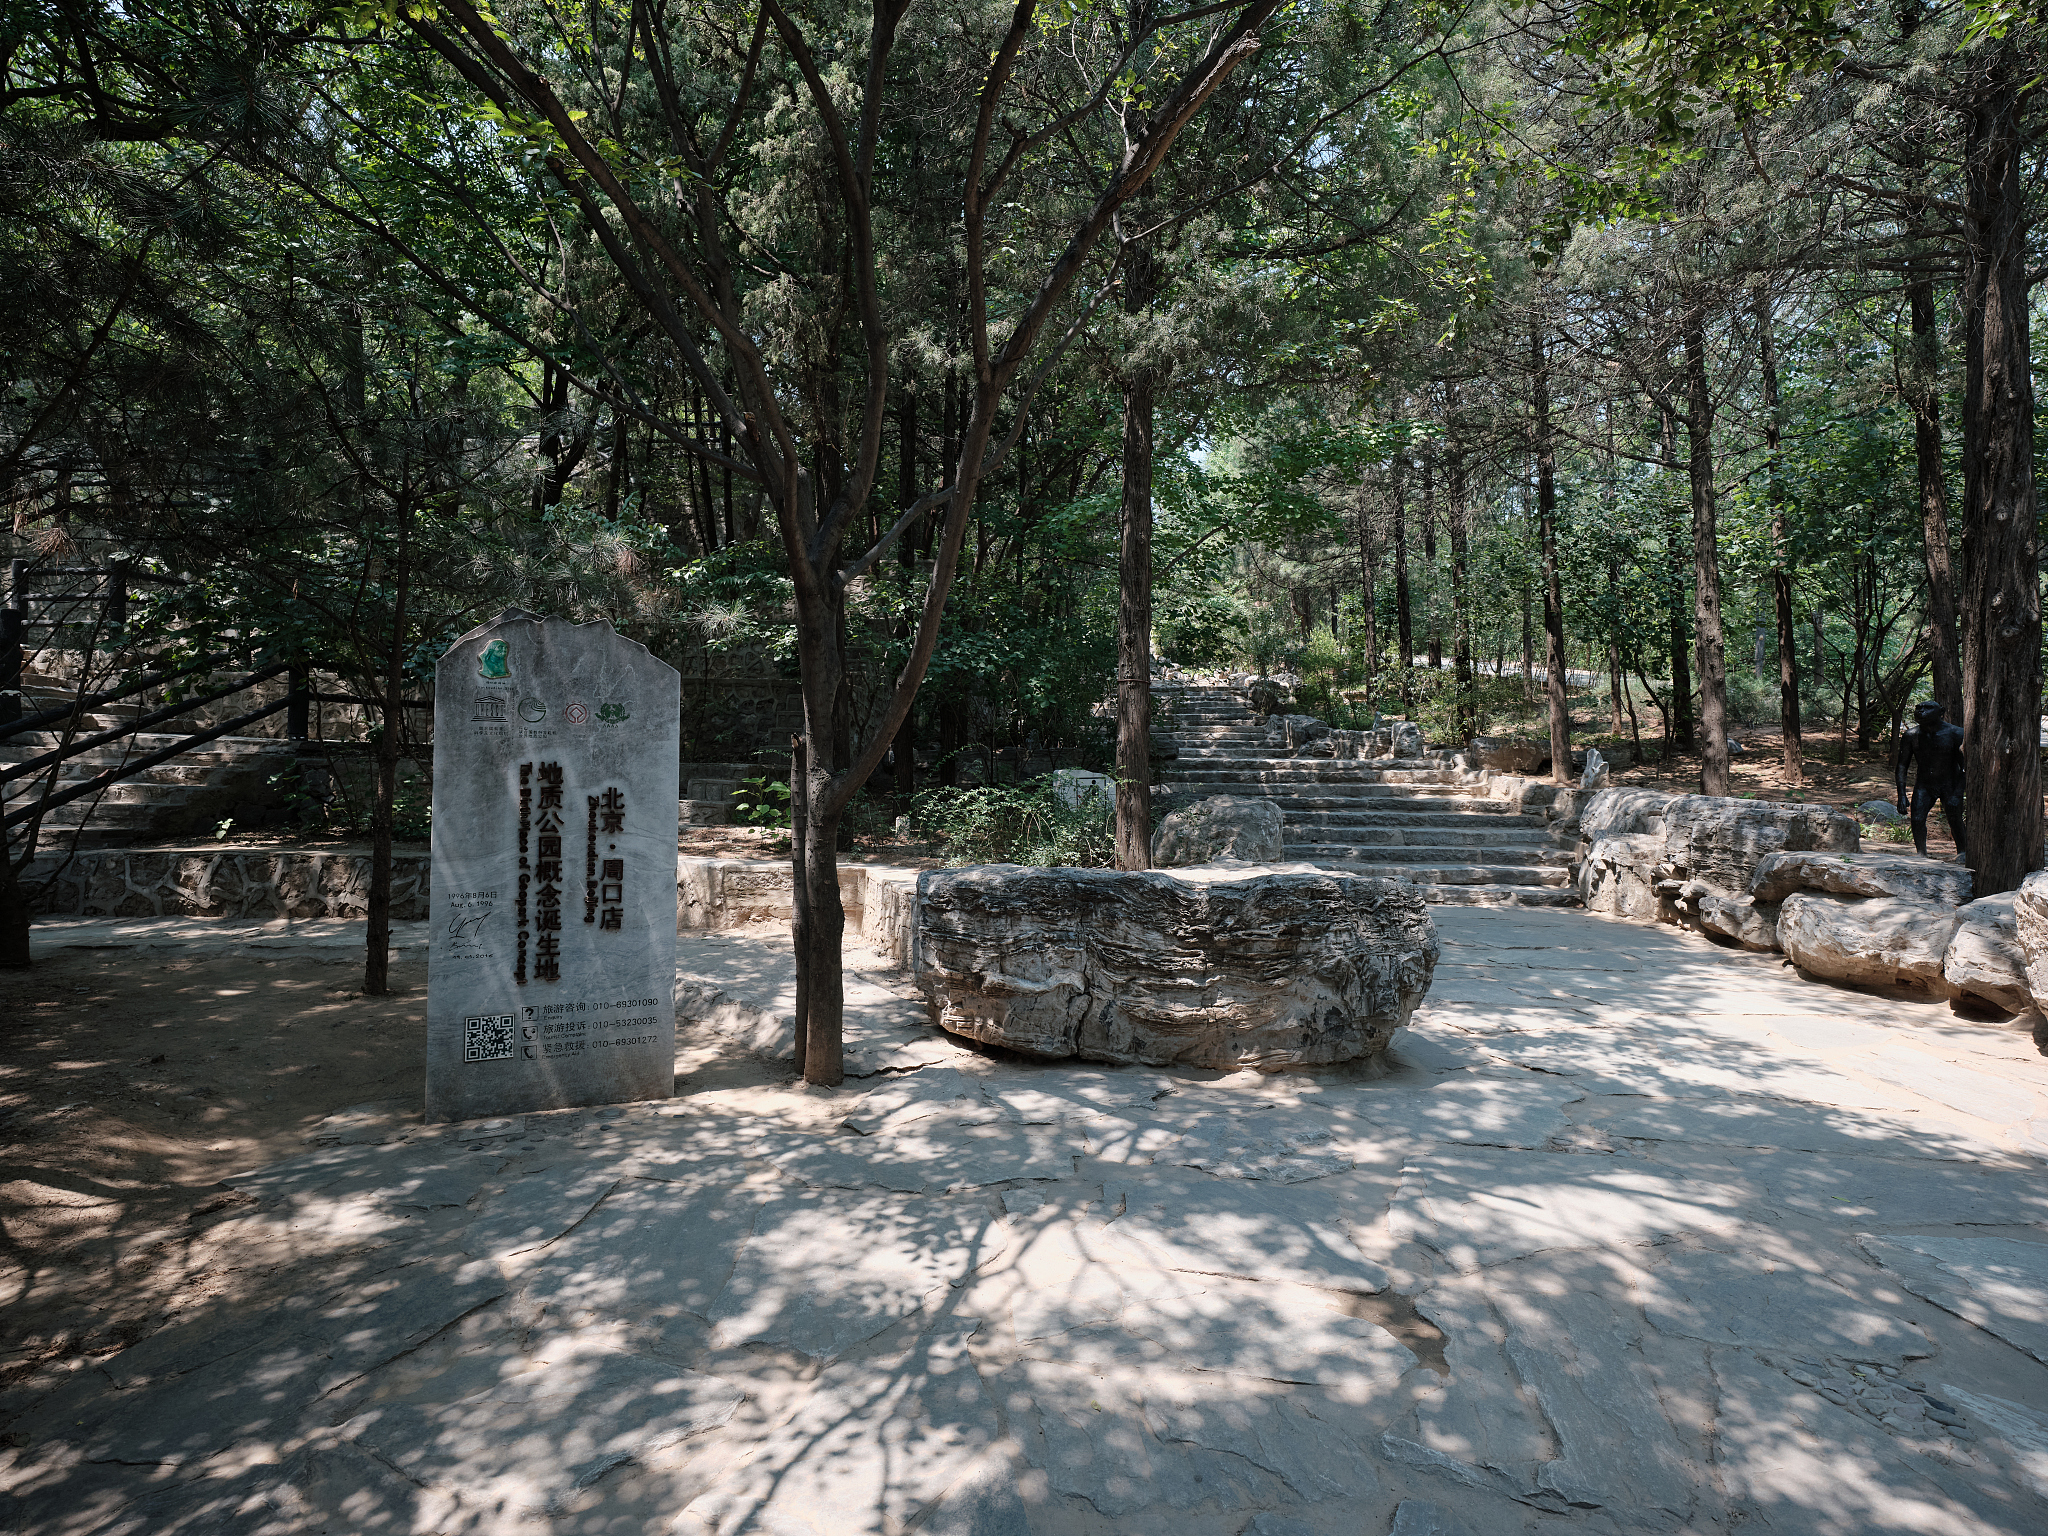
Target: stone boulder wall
(1984, 959)
(1692, 859)
(1872, 941)
(223, 882)
(1508, 754)
(1278, 970)
(2030, 925)
(1221, 827)
(1873, 873)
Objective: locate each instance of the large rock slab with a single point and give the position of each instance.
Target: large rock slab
(1912, 875)
(1618, 877)
(1984, 958)
(1509, 754)
(1720, 841)
(1867, 940)
(1298, 969)
(1221, 827)
(2030, 929)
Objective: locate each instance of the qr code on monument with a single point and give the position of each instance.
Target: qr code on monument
(488, 1038)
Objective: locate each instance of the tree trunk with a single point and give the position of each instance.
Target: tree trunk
(1678, 718)
(1924, 385)
(2001, 605)
(1134, 637)
(377, 930)
(906, 492)
(1557, 684)
(1461, 608)
(1134, 598)
(1710, 644)
(1781, 560)
(1404, 613)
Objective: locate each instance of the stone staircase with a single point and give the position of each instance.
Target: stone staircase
(1412, 819)
(183, 798)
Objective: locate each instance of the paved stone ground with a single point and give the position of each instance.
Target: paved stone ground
(1638, 1235)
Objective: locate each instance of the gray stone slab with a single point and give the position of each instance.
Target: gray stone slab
(1998, 1283)
(652, 1253)
(1473, 1425)
(1861, 1192)
(931, 1156)
(1085, 1433)
(1479, 1206)
(1203, 1225)
(1419, 1517)
(1233, 1331)
(227, 1380)
(1575, 1342)
(1803, 1465)
(534, 1211)
(552, 965)
(867, 1452)
(822, 1272)
(1778, 1296)
(1787, 1127)
(2023, 1431)
(1987, 1093)
(1281, 1434)
(527, 1442)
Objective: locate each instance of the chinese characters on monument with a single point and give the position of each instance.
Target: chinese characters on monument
(534, 717)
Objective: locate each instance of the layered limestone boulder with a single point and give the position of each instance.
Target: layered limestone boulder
(1870, 941)
(1870, 873)
(2030, 925)
(1221, 827)
(1694, 859)
(1508, 754)
(1276, 970)
(1984, 959)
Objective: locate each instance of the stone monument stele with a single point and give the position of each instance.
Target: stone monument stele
(551, 961)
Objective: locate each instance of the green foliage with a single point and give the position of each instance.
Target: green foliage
(762, 801)
(1029, 823)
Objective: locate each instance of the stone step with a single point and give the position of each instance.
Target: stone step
(27, 744)
(1302, 831)
(1411, 819)
(1315, 771)
(1433, 854)
(1500, 896)
(1444, 874)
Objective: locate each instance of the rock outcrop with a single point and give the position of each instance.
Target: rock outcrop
(1872, 941)
(1221, 827)
(2030, 925)
(1508, 754)
(1911, 875)
(1278, 970)
(1692, 859)
(1984, 959)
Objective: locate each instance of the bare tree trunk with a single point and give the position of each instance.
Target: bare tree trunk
(2001, 604)
(1678, 718)
(1134, 600)
(1404, 613)
(1924, 386)
(906, 491)
(1458, 513)
(377, 931)
(1710, 645)
(1557, 685)
(1134, 638)
(800, 903)
(1781, 561)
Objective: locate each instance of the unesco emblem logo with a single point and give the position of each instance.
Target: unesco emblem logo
(577, 714)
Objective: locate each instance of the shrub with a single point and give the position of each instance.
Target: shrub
(1027, 823)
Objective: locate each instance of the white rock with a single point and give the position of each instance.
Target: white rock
(1221, 827)
(1272, 971)
(1867, 940)
(1870, 873)
(1984, 958)
(1597, 771)
(2030, 925)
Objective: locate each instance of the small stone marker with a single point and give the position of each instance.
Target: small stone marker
(552, 952)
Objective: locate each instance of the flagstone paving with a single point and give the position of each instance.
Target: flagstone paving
(1636, 1235)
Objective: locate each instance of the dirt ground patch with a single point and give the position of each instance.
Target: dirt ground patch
(132, 1081)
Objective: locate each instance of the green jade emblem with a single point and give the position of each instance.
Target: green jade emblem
(612, 712)
(495, 664)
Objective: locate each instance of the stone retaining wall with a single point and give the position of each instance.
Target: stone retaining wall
(262, 883)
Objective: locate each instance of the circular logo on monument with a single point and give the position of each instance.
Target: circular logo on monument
(577, 713)
(532, 710)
